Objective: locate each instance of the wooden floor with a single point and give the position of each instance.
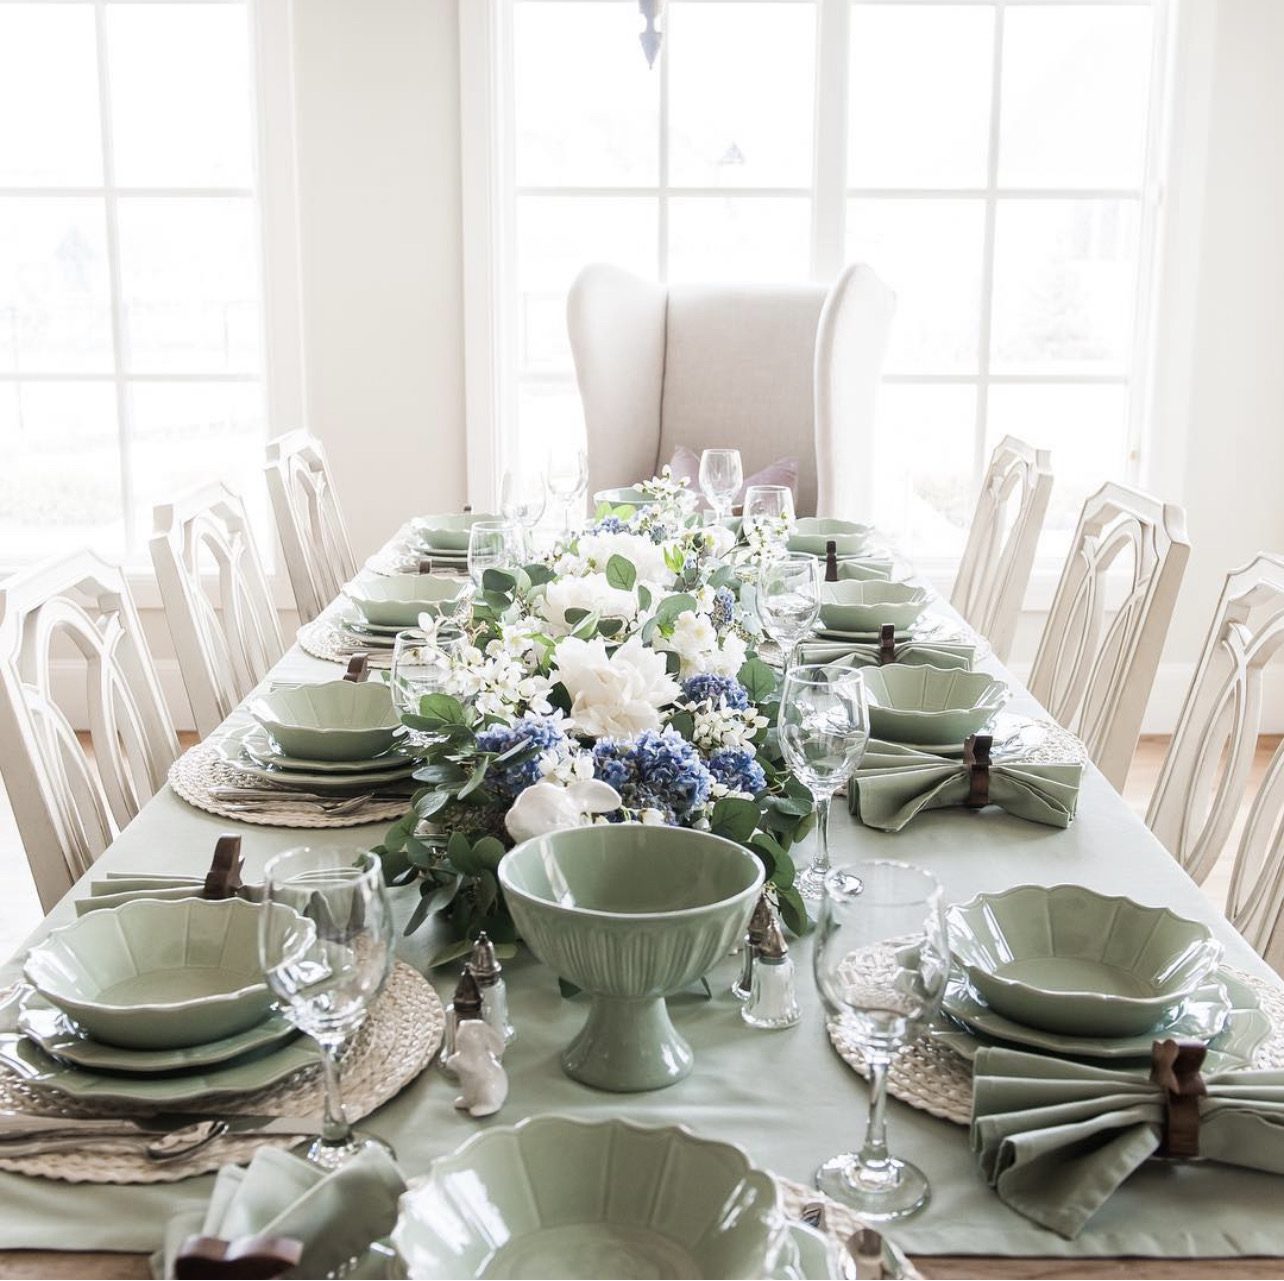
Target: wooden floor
(20, 910)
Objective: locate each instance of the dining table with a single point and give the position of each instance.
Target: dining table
(785, 1096)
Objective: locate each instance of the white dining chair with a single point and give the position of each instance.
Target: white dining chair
(220, 613)
(1001, 544)
(775, 371)
(309, 521)
(1094, 676)
(1205, 779)
(70, 802)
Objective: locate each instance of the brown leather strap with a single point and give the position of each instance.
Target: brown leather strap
(224, 877)
(358, 667)
(831, 561)
(425, 564)
(886, 644)
(1174, 1068)
(261, 1256)
(976, 756)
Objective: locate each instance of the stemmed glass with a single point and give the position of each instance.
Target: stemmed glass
(769, 509)
(522, 499)
(326, 962)
(881, 959)
(568, 480)
(788, 601)
(721, 476)
(493, 544)
(421, 663)
(823, 726)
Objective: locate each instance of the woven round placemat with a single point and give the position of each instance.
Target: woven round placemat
(322, 639)
(202, 768)
(397, 1041)
(837, 1222)
(933, 1078)
(401, 555)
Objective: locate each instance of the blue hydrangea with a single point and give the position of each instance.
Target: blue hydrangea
(657, 770)
(724, 605)
(542, 732)
(719, 691)
(610, 525)
(738, 769)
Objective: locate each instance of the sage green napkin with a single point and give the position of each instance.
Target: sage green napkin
(854, 654)
(894, 783)
(115, 889)
(336, 1216)
(1055, 1138)
(865, 569)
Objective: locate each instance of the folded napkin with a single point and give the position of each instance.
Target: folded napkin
(335, 1216)
(1055, 1138)
(894, 783)
(865, 654)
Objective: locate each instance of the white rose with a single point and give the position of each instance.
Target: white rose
(728, 660)
(719, 540)
(587, 591)
(548, 807)
(615, 696)
(646, 556)
(694, 639)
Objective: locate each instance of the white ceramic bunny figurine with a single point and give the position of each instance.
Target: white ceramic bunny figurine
(483, 1083)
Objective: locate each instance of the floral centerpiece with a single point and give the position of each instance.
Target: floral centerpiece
(614, 680)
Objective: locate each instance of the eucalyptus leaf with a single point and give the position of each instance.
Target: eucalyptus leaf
(443, 707)
(758, 679)
(671, 606)
(621, 573)
(499, 580)
(735, 818)
(475, 779)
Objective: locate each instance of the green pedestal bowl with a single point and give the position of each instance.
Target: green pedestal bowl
(630, 913)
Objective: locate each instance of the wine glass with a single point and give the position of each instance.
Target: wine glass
(788, 600)
(522, 499)
(421, 663)
(493, 544)
(769, 510)
(881, 959)
(721, 476)
(823, 727)
(326, 961)
(568, 480)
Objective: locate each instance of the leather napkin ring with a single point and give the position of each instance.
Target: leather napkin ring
(886, 644)
(976, 756)
(223, 880)
(358, 667)
(425, 565)
(1174, 1068)
(249, 1257)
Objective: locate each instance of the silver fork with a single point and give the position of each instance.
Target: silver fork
(172, 1146)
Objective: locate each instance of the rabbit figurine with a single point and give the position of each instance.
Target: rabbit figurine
(483, 1083)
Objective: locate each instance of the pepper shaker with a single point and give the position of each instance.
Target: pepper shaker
(466, 1004)
(759, 923)
(773, 999)
(489, 974)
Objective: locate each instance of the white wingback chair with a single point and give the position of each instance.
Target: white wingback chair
(773, 370)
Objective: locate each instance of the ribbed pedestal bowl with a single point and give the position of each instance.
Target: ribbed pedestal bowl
(630, 913)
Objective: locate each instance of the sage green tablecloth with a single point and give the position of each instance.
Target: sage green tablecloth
(786, 1096)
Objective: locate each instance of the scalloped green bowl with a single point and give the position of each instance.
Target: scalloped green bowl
(397, 600)
(448, 532)
(557, 1196)
(630, 913)
(812, 533)
(333, 721)
(929, 706)
(1072, 961)
(629, 496)
(852, 605)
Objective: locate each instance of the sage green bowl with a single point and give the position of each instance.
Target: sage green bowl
(449, 532)
(397, 600)
(812, 533)
(157, 974)
(333, 721)
(850, 605)
(556, 1196)
(929, 706)
(630, 913)
(629, 496)
(1069, 960)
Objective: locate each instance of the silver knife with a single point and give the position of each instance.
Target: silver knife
(17, 1126)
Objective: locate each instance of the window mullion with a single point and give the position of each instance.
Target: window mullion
(662, 206)
(119, 336)
(829, 166)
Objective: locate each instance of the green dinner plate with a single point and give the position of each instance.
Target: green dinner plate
(1225, 1003)
(353, 780)
(58, 1036)
(258, 744)
(27, 1061)
(1013, 736)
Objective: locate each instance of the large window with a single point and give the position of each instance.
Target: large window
(130, 302)
(993, 160)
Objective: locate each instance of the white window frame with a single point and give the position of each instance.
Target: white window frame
(273, 197)
(489, 194)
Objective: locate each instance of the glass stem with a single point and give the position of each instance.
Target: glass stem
(821, 861)
(337, 1128)
(873, 1153)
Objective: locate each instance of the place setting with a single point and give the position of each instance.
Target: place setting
(156, 1037)
(332, 754)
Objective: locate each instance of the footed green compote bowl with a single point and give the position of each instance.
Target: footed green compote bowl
(630, 913)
